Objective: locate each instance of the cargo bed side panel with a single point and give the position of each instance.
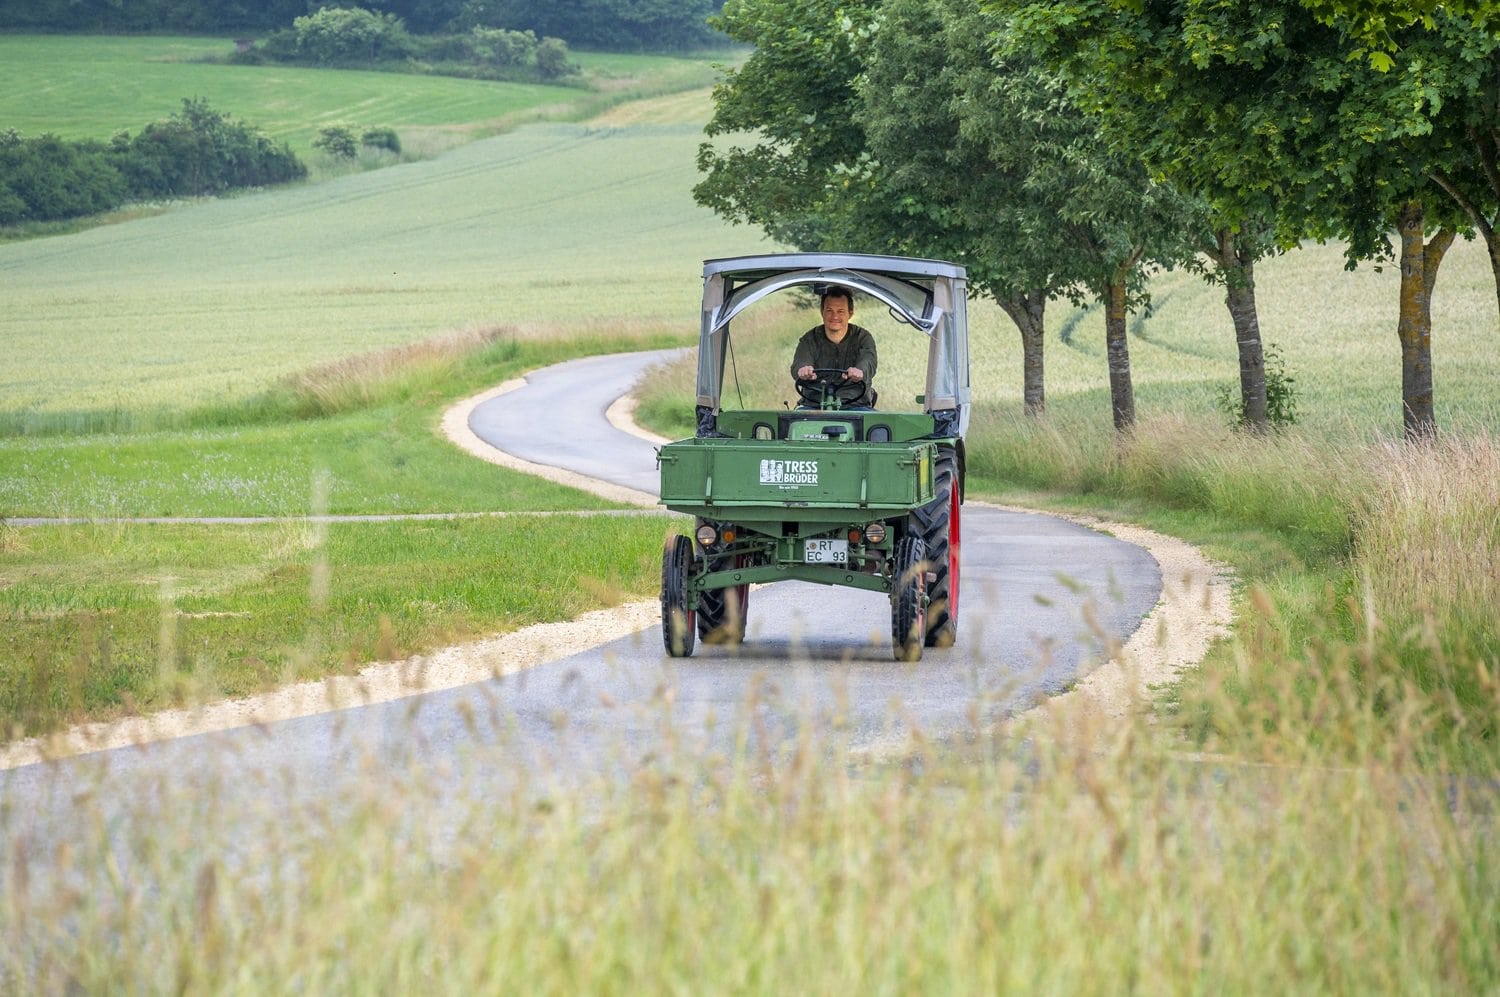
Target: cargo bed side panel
(716, 476)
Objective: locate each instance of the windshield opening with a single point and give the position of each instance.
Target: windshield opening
(761, 339)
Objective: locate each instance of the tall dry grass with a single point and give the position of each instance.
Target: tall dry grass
(396, 373)
(1373, 569)
(1429, 528)
(1288, 483)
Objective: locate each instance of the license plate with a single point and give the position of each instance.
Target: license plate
(827, 552)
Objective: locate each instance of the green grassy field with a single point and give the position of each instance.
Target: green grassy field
(567, 227)
(93, 87)
(85, 607)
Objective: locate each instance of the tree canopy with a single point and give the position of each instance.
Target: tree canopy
(1275, 111)
(906, 126)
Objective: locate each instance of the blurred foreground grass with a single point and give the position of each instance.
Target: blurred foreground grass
(1051, 858)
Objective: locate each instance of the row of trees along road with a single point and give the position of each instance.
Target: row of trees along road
(1071, 149)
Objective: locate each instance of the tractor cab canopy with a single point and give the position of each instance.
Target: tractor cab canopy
(928, 295)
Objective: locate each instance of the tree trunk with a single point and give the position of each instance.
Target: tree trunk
(1238, 268)
(1026, 310)
(1121, 395)
(1419, 267)
(1493, 245)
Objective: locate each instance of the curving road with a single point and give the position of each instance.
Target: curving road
(1041, 596)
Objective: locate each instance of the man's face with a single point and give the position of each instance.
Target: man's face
(836, 312)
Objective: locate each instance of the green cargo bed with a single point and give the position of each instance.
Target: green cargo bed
(767, 479)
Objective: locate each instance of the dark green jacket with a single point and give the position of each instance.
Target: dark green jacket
(856, 350)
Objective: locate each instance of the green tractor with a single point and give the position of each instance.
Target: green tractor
(823, 492)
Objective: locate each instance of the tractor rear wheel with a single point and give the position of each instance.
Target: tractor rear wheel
(721, 612)
(908, 599)
(677, 625)
(938, 523)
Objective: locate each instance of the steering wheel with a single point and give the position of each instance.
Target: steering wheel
(828, 387)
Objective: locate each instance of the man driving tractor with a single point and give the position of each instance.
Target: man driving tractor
(839, 346)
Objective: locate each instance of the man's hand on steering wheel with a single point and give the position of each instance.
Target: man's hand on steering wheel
(832, 375)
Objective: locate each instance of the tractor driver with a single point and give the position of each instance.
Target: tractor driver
(839, 344)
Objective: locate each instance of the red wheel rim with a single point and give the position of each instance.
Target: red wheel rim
(954, 521)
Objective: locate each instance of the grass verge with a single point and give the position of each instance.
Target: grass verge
(100, 618)
(110, 617)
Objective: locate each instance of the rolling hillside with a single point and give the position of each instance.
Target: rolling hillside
(563, 224)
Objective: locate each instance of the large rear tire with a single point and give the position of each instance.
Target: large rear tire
(722, 612)
(908, 599)
(938, 524)
(677, 626)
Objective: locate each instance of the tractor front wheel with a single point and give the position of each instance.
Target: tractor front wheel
(678, 631)
(909, 599)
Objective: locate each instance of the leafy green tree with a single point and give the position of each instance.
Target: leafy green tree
(552, 59)
(930, 109)
(500, 47)
(200, 151)
(1153, 105)
(1005, 172)
(345, 35)
(1275, 114)
(47, 178)
(859, 147)
(794, 101)
(384, 139)
(1374, 27)
(1462, 154)
(337, 141)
